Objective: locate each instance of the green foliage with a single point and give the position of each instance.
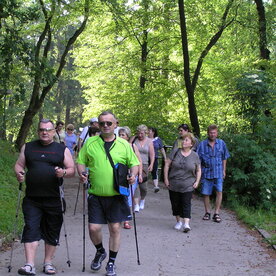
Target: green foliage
(8, 190)
(254, 96)
(251, 172)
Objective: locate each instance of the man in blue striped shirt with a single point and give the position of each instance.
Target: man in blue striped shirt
(213, 154)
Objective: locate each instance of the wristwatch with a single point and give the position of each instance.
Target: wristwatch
(64, 173)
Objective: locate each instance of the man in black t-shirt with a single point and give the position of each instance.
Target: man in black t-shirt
(47, 162)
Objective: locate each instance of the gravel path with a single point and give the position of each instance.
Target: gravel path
(209, 249)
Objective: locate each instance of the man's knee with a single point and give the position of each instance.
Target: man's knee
(94, 228)
(114, 228)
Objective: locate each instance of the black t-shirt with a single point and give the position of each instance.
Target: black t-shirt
(107, 145)
(41, 160)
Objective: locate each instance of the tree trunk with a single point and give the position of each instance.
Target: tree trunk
(144, 53)
(191, 85)
(264, 52)
(187, 78)
(25, 126)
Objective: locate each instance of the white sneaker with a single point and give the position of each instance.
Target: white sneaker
(136, 208)
(178, 225)
(186, 228)
(142, 204)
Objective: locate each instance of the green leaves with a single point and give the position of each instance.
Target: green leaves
(250, 172)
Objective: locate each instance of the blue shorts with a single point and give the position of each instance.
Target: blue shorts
(209, 184)
(108, 209)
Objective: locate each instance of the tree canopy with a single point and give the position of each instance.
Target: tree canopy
(161, 63)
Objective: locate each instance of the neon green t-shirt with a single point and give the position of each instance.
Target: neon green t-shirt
(93, 156)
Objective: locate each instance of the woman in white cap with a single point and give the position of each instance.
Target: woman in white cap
(93, 122)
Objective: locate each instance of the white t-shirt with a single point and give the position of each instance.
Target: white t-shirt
(83, 134)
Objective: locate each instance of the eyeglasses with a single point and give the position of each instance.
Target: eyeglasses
(45, 129)
(70, 129)
(105, 123)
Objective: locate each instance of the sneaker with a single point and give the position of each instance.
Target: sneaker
(186, 228)
(178, 225)
(97, 262)
(156, 189)
(136, 208)
(27, 269)
(142, 204)
(110, 269)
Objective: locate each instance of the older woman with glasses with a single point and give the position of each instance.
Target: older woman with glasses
(70, 138)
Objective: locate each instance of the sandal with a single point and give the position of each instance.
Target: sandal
(216, 218)
(127, 225)
(207, 216)
(49, 269)
(27, 269)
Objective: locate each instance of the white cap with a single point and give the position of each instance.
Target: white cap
(92, 120)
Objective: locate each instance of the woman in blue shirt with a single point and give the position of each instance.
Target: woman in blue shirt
(70, 138)
(158, 145)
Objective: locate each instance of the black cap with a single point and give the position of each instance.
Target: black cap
(184, 126)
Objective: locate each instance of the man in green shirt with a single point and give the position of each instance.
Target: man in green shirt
(105, 205)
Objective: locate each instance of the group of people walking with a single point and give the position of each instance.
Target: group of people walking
(48, 162)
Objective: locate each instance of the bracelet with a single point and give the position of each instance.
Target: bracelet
(64, 173)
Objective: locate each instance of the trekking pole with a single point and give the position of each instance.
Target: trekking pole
(16, 222)
(61, 194)
(64, 225)
(134, 224)
(77, 198)
(85, 185)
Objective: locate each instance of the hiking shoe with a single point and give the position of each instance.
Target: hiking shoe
(110, 269)
(136, 208)
(156, 189)
(186, 228)
(142, 204)
(97, 262)
(178, 225)
(27, 269)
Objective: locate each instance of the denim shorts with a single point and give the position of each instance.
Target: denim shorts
(108, 209)
(209, 184)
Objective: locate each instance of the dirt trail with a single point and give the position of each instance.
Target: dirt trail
(210, 249)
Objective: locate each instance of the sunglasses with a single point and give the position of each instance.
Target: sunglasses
(105, 123)
(70, 129)
(45, 129)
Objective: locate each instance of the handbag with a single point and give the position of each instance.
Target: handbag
(120, 172)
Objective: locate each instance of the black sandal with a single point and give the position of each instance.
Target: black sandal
(216, 218)
(207, 216)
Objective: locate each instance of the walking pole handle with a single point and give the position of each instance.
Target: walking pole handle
(21, 183)
(85, 184)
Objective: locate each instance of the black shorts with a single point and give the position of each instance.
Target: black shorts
(108, 209)
(43, 219)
